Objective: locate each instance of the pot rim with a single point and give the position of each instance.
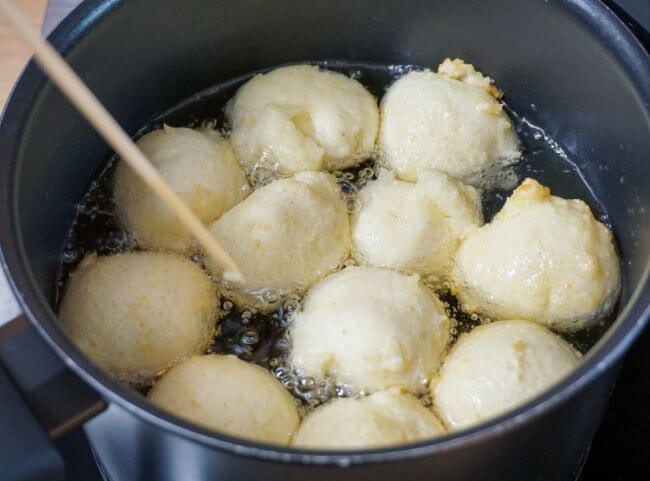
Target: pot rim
(609, 349)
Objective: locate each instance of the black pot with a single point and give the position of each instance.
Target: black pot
(574, 59)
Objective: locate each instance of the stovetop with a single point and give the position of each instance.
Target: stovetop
(621, 448)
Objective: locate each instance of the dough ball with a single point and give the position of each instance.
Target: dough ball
(414, 227)
(497, 367)
(228, 395)
(385, 418)
(303, 118)
(198, 165)
(448, 121)
(371, 328)
(287, 234)
(543, 259)
(136, 314)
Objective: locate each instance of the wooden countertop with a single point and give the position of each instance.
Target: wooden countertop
(13, 55)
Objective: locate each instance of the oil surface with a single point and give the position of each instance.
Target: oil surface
(262, 338)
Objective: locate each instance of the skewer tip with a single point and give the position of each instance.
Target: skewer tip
(234, 276)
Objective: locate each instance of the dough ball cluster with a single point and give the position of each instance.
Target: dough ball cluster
(287, 234)
(449, 121)
(383, 418)
(496, 367)
(303, 118)
(414, 227)
(542, 258)
(198, 165)
(230, 396)
(371, 328)
(138, 313)
(374, 329)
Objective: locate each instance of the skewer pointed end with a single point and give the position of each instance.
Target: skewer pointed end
(234, 276)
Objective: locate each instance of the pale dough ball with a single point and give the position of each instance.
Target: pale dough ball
(542, 258)
(497, 367)
(384, 418)
(287, 234)
(228, 395)
(448, 121)
(136, 314)
(198, 165)
(414, 227)
(371, 328)
(303, 118)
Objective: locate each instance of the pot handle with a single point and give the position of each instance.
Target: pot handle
(40, 401)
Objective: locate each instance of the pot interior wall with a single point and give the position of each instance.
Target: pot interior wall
(145, 56)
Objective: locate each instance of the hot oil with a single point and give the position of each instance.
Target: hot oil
(262, 338)
(96, 228)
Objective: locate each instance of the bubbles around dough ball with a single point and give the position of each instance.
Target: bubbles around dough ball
(384, 418)
(303, 118)
(287, 234)
(198, 165)
(497, 367)
(542, 258)
(228, 395)
(138, 313)
(448, 121)
(371, 328)
(414, 227)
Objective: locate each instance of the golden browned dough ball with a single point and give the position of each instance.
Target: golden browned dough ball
(303, 118)
(497, 367)
(287, 234)
(199, 165)
(371, 328)
(385, 418)
(138, 313)
(542, 258)
(414, 227)
(228, 395)
(448, 121)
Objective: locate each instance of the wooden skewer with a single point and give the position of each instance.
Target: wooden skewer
(91, 108)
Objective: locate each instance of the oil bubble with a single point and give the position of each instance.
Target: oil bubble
(250, 338)
(307, 384)
(288, 382)
(280, 371)
(69, 255)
